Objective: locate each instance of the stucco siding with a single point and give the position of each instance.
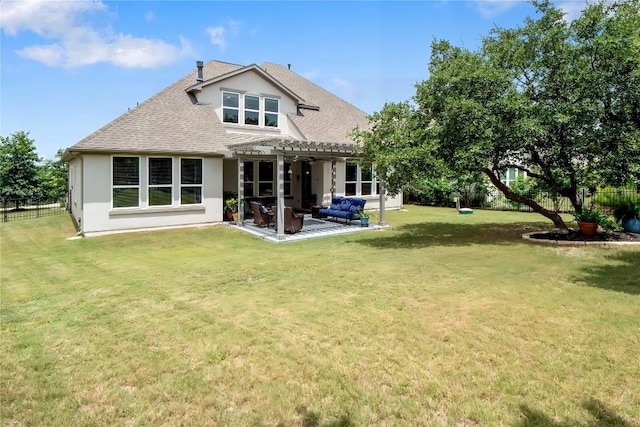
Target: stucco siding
(100, 216)
(250, 83)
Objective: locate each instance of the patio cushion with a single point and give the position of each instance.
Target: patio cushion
(344, 207)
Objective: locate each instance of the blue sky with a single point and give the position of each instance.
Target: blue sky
(70, 67)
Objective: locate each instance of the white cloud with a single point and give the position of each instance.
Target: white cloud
(217, 35)
(572, 9)
(76, 43)
(346, 88)
(310, 75)
(489, 8)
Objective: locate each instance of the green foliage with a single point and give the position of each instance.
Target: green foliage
(555, 99)
(431, 191)
(22, 177)
(626, 209)
(590, 215)
(609, 197)
(231, 204)
(19, 175)
(53, 178)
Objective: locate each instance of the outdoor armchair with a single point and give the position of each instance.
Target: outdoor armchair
(292, 221)
(260, 214)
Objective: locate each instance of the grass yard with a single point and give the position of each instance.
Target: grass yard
(443, 320)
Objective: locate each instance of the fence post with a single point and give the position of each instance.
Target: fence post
(5, 218)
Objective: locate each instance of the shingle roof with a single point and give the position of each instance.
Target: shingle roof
(172, 122)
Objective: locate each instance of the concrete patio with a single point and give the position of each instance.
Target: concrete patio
(312, 228)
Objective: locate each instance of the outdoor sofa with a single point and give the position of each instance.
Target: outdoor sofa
(343, 207)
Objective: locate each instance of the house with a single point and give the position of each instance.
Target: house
(258, 132)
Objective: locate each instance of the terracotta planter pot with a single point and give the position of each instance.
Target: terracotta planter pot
(587, 228)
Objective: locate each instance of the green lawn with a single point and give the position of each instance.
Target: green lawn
(443, 320)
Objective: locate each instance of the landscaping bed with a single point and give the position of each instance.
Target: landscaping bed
(576, 236)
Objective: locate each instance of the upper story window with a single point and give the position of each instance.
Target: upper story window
(230, 107)
(271, 112)
(252, 110)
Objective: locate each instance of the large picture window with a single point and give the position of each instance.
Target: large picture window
(190, 181)
(125, 182)
(359, 180)
(160, 181)
(230, 107)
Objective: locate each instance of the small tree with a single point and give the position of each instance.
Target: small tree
(54, 177)
(19, 177)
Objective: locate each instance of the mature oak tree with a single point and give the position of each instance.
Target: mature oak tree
(559, 100)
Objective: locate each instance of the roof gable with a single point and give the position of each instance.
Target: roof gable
(253, 67)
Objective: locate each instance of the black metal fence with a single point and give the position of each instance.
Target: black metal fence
(604, 199)
(18, 209)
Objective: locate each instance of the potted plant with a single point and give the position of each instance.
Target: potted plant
(627, 212)
(364, 218)
(588, 220)
(231, 207)
(367, 216)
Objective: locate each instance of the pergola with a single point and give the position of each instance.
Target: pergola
(282, 148)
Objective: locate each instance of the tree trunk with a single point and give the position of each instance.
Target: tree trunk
(553, 216)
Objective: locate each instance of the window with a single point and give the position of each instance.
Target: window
(366, 179)
(265, 178)
(511, 175)
(359, 180)
(248, 179)
(230, 104)
(160, 181)
(126, 182)
(271, 112)
(190, 181)
(251, 110)
(351, 179)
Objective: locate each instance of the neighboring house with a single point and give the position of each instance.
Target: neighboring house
(258, 132)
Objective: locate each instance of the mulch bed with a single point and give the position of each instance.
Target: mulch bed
(576, 236)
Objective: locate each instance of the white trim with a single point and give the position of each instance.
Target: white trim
(152, 210)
